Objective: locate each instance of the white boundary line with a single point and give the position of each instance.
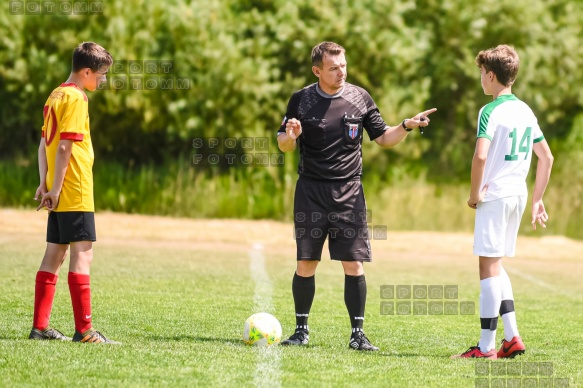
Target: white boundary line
(267, 371)
(533, 279)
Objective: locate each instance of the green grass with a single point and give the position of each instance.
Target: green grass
(179, 306)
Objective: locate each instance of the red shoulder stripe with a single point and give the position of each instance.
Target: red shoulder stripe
(71, 136)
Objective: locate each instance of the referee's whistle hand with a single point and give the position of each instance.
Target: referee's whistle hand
(293, 128)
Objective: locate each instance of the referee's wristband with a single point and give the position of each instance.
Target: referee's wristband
(405, 127)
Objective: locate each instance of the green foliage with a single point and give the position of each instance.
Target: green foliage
(18, 184)
(565, 192)
(243, 59)
(547, 36)
(179, 191)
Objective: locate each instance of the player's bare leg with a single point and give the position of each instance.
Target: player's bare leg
(54, 257)
(490, 267)
(307, 268)
(81, 257)
(353, 268)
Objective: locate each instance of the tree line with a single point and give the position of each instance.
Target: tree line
(226, 68)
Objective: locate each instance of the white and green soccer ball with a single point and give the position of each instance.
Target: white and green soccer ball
(262, 329)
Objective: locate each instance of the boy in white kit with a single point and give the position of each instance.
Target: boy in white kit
(508, 132)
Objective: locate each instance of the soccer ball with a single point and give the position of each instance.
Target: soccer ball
(262, 329)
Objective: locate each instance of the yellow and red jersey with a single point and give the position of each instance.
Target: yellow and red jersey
(66, 117)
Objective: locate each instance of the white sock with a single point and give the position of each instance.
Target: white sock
(509, 319)
(490, 298)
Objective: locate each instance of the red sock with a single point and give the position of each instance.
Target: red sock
(44, 295)
(81, 300)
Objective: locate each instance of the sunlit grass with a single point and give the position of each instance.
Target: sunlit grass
(176, 292)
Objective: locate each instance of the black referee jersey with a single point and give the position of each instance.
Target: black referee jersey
(332, 125)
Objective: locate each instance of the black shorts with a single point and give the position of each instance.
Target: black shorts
(68, 227)
(333, 210)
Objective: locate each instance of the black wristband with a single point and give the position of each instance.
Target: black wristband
(405, 127)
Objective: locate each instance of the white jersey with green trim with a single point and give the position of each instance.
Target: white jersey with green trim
(513, 129)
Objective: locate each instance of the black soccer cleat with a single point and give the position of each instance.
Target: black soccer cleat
(358, 341)
(300, 337)
(93, 336)
(47, 334)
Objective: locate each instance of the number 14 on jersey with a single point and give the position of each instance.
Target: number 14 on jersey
(524, 144)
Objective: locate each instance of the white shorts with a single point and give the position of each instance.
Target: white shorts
(497, 224)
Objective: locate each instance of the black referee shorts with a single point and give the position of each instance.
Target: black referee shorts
(68, 227)
(333, 210)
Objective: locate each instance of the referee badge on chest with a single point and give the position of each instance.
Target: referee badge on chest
(353, 130)
(352, 127)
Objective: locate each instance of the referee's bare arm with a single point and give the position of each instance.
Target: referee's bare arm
(394, 135)
(287, 141)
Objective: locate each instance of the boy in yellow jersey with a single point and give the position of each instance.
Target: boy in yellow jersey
(65, 160)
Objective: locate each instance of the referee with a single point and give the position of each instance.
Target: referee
(326, 119)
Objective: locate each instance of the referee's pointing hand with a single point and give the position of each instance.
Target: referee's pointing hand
(420, 119)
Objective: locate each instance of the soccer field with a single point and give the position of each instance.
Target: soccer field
(176, 292)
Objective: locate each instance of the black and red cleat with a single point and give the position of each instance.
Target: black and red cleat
(475, 352)
(512, 348)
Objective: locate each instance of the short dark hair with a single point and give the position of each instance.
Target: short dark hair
(329, 48)
(502, 60)
(91, 55)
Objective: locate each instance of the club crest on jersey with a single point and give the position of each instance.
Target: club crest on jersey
(352, 130)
